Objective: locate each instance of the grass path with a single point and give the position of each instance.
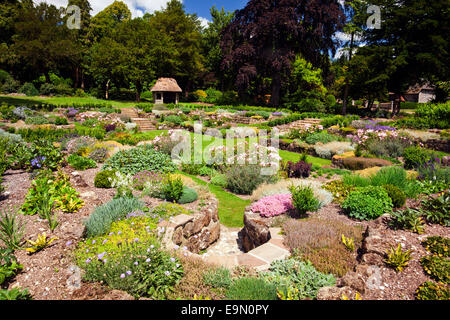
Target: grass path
(65, 101)
(231, 207)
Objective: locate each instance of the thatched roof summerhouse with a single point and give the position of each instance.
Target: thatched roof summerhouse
(166, 90)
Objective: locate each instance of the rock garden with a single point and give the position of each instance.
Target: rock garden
(94, 206)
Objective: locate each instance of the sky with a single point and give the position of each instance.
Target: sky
(139, 7)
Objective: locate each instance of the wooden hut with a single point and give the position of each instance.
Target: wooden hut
(166, 90)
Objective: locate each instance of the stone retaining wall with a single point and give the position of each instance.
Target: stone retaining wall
(196, 232)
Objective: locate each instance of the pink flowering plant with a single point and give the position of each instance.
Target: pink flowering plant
(272, 206)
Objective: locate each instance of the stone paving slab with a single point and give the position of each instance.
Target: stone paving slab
(180, 220)
(269, 252)
(249, 260)
(224, 261)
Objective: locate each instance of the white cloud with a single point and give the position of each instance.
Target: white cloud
(205, 22)
(137, 7)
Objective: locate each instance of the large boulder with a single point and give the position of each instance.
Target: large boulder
(255, 232)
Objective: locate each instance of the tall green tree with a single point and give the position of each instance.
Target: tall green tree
(184, 32)
(42, 39)
(106, 20)
(211, 43)
(417, 35)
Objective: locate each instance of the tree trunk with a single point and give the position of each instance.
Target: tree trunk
(77, 77)
(47, 77)
(347, 83)
(107, 90)
(138, 91)
(276, 89)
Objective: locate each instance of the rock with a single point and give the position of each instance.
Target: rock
(255, 231)
(354, 280)
(178, 236)
(375, 280)
(78, 180)
(334, 293)
(188, 229)
(74, 281)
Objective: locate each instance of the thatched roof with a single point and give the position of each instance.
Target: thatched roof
(417, 88)
(166, 85)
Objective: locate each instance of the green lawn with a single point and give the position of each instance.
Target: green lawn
(231, 207)
(65, 101)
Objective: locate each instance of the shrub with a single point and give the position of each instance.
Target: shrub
(395, 176)
(367, 203)
(219, 180)
(437, 245)
(415, 156)
(409, 219)
(61, 121)
(172, 188)
(243, 179)
(303, 199)
(99, 154)
(104, 179)
(339, 189)
(282, 187)
(438, 268)
(29, 89)
(435, 115)
(318, 240)
(328, 150)
(437, 210)
(218, 278)
(138, 267)
(300, 276)
(140, 159)
(15, 294)
(354, 163)
(103, 216)
(251, 289)
(189, 195)
(433, 291)
(275, 205)
(397, 195)
(37, 120)
(322, 137)
(174, 119)
(300, 169)
(81, 163)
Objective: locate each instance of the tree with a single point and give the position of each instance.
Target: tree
(129, 55)
(416, 33)
(42, 40)
(106, 20)
(186, 61)
(211, 43)
(264, 37)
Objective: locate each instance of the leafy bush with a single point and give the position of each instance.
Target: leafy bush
(81, 163)
(29, 89)
(433, 291)
(8, 265)
(438, 268)
(300, 169)
(397, 196)
(322, 137)
(103, 216)
(140, 159)
(393, 147)
(300, 276)
(409, 219)
(15, 294)
(415, 156)
(339, 189)
(354, 163)
(243, 179)
(437, 210)
(172, 188)
(104, 179)
(219, 180)
(251, 289)
(437, 245)
(435, 115)
(328, 150)
(174, 119)
(189, 195)
(367, 203)
(137, 266)
(303, 199)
